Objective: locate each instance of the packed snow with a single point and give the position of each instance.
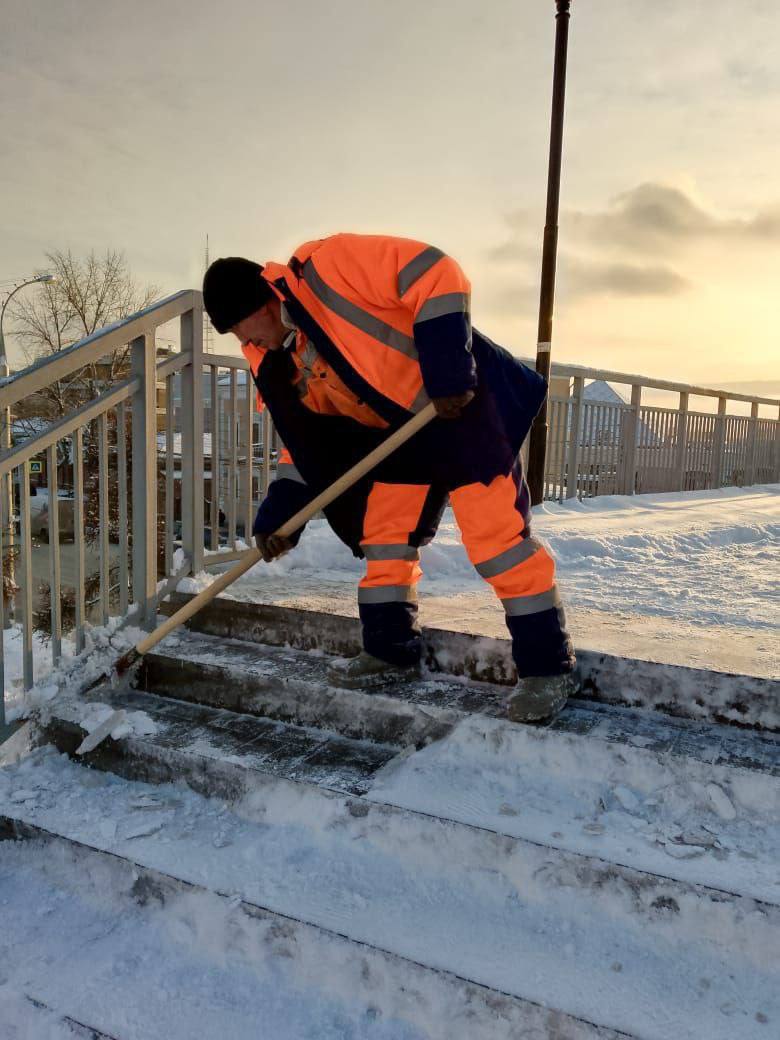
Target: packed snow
(546, 926)
(709, 557)
(700, 569)
(520, 859)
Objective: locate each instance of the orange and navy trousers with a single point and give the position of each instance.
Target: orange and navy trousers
(396, 509)
(493, 522)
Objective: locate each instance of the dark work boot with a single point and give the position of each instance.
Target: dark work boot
(538, 698)
(367, 670)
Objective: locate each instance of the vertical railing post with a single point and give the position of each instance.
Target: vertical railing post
(267, 448)
(2, 637)
(192, 437)
(777, 449)
(121, 475)
(25, 555)
(682, 442)
(7, 508)
(719, 444)
(144, 477)
(249, 405)
(77, 450)
(573, 452)
(55, 570)
(750, 475)
(105, 562)
(630, 431)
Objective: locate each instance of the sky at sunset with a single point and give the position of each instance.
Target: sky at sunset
(142, 126)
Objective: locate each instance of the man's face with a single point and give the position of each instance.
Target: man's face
(264, 328)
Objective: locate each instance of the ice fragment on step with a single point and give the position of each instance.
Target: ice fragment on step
(684, 851)
(721, 802)
(141, 829)
(152, 801)
(107, 829)
(23, 795)
(594, 828)
(97, 735)
(627, 799)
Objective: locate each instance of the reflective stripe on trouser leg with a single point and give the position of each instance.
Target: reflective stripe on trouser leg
(520, 570)
(387, 596)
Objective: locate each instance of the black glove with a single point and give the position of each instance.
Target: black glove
(272, 546)
(452, 407)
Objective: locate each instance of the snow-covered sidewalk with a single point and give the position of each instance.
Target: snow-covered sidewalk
(688, 578)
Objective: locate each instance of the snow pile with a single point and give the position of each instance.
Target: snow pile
(668, 814)
(103, 645)
(705, 556)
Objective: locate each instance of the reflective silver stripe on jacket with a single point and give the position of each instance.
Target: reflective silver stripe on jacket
(420, 401)
(517, 606)
(388, 594)
(509, 558)
(390, 552)
(356, 316)
(438, 306)
(416, 268)
(287, 471)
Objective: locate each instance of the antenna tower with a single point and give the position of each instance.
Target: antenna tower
(208, 328)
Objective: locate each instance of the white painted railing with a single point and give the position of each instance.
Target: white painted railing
(603, 445)
(165, 497)
(165, 469)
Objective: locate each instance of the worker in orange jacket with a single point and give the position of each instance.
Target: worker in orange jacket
(345, 342)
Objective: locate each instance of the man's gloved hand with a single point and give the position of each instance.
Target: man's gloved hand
(451, 407)
(272, 546)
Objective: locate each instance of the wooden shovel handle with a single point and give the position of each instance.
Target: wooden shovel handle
(395, 440)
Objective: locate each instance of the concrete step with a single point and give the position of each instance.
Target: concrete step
(603, 944)
(217, 752)
(644, 804)
(46, 1017)
(292, 686)
(266, 974)
(692, 693)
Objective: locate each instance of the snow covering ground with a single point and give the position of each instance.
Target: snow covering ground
(656, 961)
(701, 570)
(507, 904)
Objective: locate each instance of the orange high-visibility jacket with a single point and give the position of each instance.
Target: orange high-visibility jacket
(383, 325)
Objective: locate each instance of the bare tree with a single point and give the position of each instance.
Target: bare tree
(88, 293)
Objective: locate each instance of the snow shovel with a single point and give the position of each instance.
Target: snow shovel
(395, 440)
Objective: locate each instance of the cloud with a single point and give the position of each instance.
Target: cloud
(657, 216)
(652, 221)
(586, 278)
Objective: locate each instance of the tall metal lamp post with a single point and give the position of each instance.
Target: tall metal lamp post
(7, 532)
(537, 450)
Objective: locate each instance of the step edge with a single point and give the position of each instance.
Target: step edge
(13, 828)
(138, 745)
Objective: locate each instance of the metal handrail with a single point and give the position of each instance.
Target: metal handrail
(28, 449)
(560, 369)
(92, 348)
(594, 447)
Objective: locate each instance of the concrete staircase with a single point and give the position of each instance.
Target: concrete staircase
(611, 874)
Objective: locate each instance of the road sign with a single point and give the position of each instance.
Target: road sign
(36, 467)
